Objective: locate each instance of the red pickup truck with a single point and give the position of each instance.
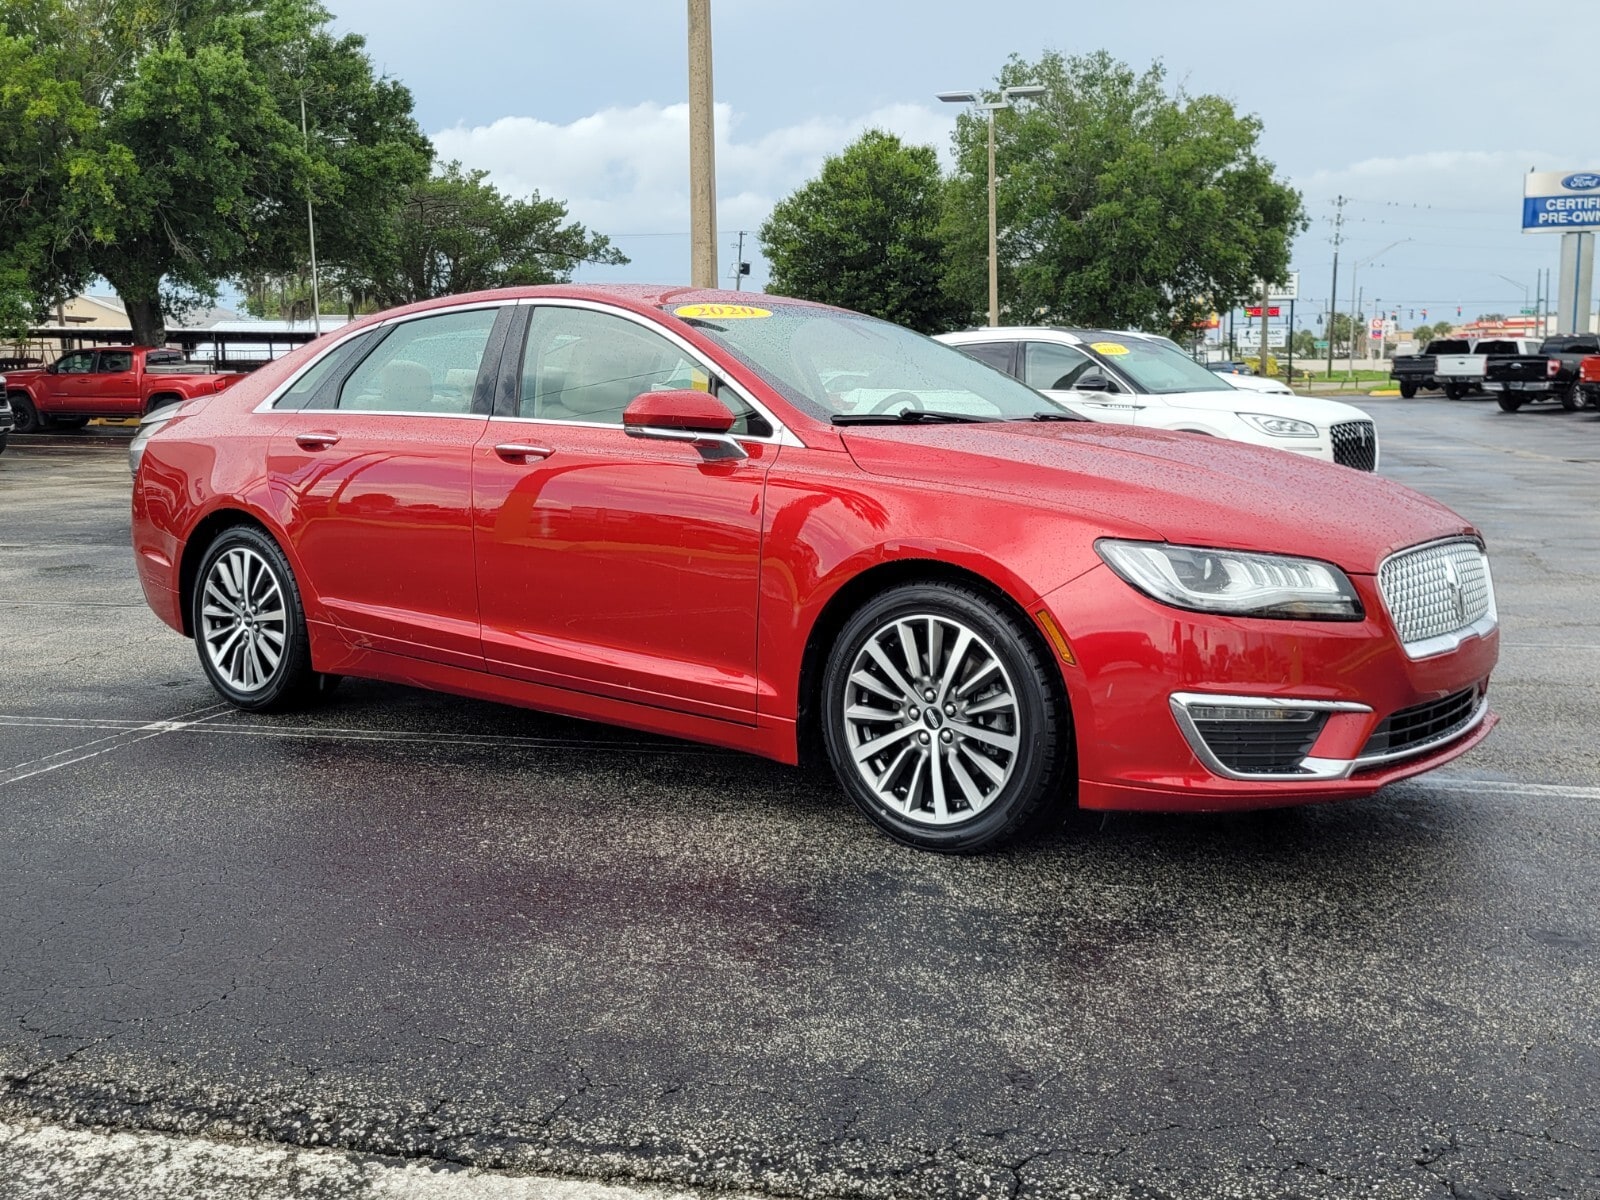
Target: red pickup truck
(111, 381)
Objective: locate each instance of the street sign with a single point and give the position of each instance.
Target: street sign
(1282, 293)
(1560, 201)
(1274, 311)
(1528, 312)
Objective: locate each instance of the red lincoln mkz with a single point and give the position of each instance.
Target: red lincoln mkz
(774, 525)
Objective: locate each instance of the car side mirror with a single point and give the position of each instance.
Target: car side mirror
(1093, 382)
(684, 415)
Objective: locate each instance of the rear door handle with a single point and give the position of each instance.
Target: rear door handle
(521, 451)
(320, 440)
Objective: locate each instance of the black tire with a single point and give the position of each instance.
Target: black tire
(1455, 391)
(1408, 389)
(161, 401)
(290, 682)
(1038, 725)
(1571, 398)
(27, 416)
(1509, 401)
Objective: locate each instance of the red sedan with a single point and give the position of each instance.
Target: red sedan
(781, 527)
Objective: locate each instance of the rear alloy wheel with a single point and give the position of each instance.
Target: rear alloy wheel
(27, 416)
(1509, 401)
(1572, 398)
(942, 720)
(249, 625)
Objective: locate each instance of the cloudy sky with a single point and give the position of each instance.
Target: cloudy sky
(1425, 117)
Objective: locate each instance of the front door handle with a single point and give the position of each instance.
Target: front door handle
(521, 451)
(320, 440)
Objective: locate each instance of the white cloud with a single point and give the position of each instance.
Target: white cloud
(625, 171)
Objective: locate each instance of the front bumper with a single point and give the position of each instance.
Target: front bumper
(1134, 656)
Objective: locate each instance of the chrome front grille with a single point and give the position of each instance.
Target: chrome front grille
(1437, 593)
(1355, 444)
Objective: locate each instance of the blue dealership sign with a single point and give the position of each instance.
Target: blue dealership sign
(1560, 201)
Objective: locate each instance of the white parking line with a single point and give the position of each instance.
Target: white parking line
(116, 741)
(52, 1161)
(1503, 787)
(127, 732)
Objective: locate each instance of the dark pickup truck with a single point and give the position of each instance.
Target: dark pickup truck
(1551, 374)
(1414, 371)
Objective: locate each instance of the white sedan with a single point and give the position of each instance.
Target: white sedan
(1138, 379)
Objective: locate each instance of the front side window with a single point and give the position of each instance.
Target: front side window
(587, 366)
(429, 365)
(1052, 367)
(114, 361)
(79, 362)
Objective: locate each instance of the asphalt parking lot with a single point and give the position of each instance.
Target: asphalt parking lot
(416, 926)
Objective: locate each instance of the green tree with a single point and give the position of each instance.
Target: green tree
(174, 156)
(1120, 203)
(456, 232)
(864, 234)
(1305, 344)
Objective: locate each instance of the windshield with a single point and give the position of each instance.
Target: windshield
(1156, 368)
(829, 363)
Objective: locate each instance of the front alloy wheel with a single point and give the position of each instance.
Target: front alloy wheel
(942, 718)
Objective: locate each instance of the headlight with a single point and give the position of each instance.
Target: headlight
(1280, 426)
(1233, 581)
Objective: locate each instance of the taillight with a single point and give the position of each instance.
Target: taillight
(1552, 367)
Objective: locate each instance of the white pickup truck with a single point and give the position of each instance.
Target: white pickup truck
(1461, 374)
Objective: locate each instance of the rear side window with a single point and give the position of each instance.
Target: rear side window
(429, 365)
(314, 388)
(995, 354)
(113, 362)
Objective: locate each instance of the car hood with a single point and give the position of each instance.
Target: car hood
(1271, 404)
(1178, 487)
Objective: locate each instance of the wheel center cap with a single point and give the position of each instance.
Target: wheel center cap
(932, 718)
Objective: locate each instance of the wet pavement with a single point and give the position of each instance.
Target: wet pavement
(411, 925)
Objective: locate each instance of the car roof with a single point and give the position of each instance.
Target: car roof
(1061, 333)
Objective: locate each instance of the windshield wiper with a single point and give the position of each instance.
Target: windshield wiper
(1053, 416)
(910, 416)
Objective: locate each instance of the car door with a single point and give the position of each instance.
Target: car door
(113, 389)
(1056, 369)
(73, 383)
(375, 465)
(607, 563)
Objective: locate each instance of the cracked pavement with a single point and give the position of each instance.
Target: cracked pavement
(428, 929)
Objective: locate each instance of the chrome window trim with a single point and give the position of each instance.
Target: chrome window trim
(1316, 769)
(782, 435)
(344, 335)
(1445, 642)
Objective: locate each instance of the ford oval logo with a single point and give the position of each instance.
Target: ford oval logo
(1584, 181)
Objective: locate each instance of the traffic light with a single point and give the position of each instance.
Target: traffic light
(1458, 310)
(1424, 314)
(1414, 313)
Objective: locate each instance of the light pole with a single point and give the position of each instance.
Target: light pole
(1355, 271)
(311, 229)
(1007, 95)
(702, 151)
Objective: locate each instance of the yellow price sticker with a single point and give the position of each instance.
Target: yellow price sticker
(1108, 347)
(721, 312)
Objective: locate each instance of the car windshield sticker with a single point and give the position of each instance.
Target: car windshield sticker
(1108, 347)
(720, 312)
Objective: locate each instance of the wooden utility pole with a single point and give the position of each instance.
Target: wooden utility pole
(702, 151)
